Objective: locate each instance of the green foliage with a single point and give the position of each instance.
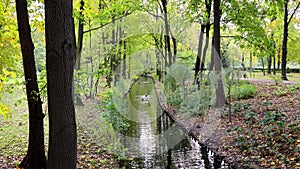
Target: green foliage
(196, 102)
(174, 98)
(286, 90)
(277, 79)
(244, 91)
(112, 114)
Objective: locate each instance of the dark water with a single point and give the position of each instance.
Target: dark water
(154, 141)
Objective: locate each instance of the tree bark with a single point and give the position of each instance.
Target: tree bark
(284, 41)
(286, 22)
(269, 59)
(207, 28)
(167, 33)
(80, 36)
(35, 158)
(199, 53)
(60, 62)
(220, 95)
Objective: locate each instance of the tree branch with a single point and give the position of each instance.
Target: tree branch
(293, 13)
(99, 27)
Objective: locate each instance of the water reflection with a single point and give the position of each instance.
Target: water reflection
(154, 141)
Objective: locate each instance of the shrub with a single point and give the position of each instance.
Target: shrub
(174, 98)
(243, 91)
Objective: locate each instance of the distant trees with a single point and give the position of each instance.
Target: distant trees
(60, 62)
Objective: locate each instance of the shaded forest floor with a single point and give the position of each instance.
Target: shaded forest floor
(14, 137)
(264, 131)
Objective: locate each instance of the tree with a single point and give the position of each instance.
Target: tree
(35, 158)
(217, 55)
(60, 62)
(286, 23)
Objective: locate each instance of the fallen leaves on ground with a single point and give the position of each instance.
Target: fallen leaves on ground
(264, 131)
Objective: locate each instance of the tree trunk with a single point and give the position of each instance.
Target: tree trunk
(167, 33)
(274, 57)
(284, 42)
(80, 36)
(263, 66)
(35, 158)
(60, 62)
(251, 66)
(207, 28)
(212, 60)
(220, 95)
(199, 53)
(269, 64)
(124, 60)
(278, 59)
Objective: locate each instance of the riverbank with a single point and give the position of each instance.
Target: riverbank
(264, 131)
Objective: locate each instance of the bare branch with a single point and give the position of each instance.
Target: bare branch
(293, 13)
(101, 26)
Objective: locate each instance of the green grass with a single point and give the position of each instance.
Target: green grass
(259, 75)
(14, 130)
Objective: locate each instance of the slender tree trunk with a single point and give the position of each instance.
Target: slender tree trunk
(124, 60)
(284, 41)
(269, 64)
(286, 22)
(263, 66)
(199, 53)
(251, 66)
(220, 95)
(35, 158)
(80, 36)
(212, 60)
(174, 40)
(274, 58)
(278, 59)
(60, 62)
(167, 32)
(207, 28)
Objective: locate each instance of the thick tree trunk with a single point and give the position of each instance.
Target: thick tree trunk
(284, 42)
(220, 95)
(60, 62)
(35, 158)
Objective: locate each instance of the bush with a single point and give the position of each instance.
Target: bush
(174, 98)
(243, 91)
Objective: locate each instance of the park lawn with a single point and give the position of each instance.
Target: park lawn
(295, 77)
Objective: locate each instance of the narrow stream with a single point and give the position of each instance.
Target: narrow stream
(154, 141)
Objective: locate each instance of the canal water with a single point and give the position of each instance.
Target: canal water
(155, 141)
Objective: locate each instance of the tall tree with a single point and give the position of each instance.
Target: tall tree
(60, 62)
(220, 99)
(35, 158)
(286, 23)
